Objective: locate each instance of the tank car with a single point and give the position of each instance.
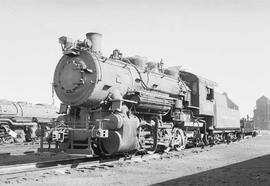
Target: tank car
(125, 104)
(18, 120)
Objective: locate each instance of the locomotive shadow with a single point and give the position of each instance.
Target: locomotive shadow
(250, 172)
(17, 159)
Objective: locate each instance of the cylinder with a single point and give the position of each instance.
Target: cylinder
(95, 39)
(123, 139)
(115, 121)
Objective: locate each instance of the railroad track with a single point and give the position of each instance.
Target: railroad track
(89, 162)
(78, 163)
(55, 164)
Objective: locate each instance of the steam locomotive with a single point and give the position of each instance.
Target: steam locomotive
(19, 120)
(128, 104)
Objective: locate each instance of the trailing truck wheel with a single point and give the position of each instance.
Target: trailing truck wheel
(178, 141)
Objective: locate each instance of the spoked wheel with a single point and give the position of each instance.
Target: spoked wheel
(164, 140)
(20, 136)
(178, 140)
(7, 140)
(148, 135)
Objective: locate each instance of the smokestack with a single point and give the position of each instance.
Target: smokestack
(95, 39)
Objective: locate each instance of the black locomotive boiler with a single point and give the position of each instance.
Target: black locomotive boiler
(125, 104)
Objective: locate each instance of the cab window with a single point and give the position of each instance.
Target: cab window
(209, 93)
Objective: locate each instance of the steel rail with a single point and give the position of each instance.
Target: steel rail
(70, 163)
(82, 162)
(38, 166)
(57, 164)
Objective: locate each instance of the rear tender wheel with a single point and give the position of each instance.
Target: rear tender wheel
(178, 140)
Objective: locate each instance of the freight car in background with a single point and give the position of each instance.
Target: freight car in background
(248, 127)
(19, 120)
(125, 104)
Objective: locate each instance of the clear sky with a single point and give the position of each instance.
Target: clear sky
(227, 41)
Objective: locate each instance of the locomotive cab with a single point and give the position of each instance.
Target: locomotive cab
(202, 97)
(202, 93)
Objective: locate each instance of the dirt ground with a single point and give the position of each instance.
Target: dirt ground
(242, 163)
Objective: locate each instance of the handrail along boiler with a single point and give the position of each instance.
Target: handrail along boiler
(124, 104)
